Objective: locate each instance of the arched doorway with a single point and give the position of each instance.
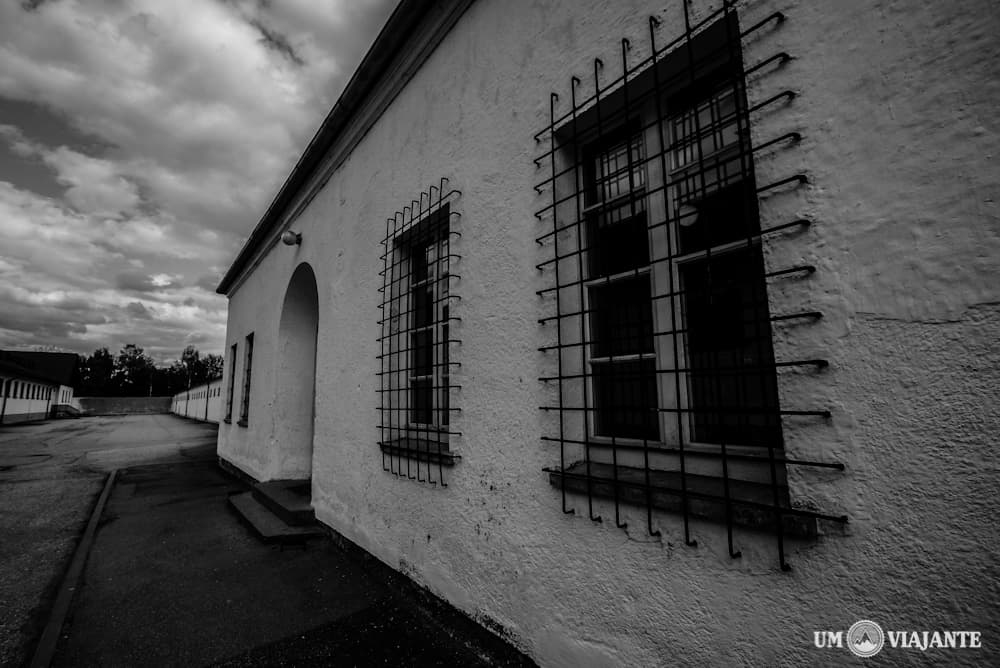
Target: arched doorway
(296, 376)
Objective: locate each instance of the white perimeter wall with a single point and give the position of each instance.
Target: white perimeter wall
(26, 399)
(204, 402)
(897, 107)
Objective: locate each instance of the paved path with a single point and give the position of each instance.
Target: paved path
(173, 578)
(50, 476)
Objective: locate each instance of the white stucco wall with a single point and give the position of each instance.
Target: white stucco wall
(202, 402)
(26, 399)
(896, 104)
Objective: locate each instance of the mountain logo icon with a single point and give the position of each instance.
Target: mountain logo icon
(865, 638)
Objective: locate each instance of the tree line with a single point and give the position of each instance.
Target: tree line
(132, 373)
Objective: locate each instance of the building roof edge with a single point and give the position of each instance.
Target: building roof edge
(393, 35)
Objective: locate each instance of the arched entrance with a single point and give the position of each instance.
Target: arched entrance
(296, 376)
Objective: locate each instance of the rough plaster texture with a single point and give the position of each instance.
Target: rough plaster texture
(896, 104)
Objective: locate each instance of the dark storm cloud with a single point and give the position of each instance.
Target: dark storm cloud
(138, 311)
(180, 120)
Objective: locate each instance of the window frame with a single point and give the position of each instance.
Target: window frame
(244, 420)
(417, 431)
(437, 280)
(653, 123)
(231, 388)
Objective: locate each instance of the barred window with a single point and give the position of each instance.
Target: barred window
(232, 383)
(416, 381)
(247, 369)
(666, 387)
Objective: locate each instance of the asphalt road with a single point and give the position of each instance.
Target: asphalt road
(50, 476)
(174, 579)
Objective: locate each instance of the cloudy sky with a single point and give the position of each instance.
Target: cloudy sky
(140, 142)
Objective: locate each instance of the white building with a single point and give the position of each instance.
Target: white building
(202, 402)
(36, 385)
(674, 366)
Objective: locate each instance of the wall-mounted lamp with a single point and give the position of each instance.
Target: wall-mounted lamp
(290, 238)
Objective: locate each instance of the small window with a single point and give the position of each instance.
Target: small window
(232, 384)
(416, 343)
(247, 368)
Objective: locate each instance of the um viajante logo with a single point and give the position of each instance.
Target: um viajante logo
(865, 638)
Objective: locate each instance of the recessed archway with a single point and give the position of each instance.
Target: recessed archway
(296, 376)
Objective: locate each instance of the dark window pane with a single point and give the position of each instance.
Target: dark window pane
(423, 306)
(724, 215)
(621, 317)
(618, 239)
(418, 263)
(420, 342)
(619, 169)
(733, 386)
(421, 401)
(625, 399)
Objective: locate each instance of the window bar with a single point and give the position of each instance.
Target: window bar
(797, 512)
(777, 17)
(643, 399)
(410, 218)
(598, 66)
(731, 409)
(399, 376)
(580, 243)
(661, 150)
(583, 300)
(559, 353)
(383, 431)
(416, 415)
(798, 179)
(416, 213)
(711, 455)
(750, 208)
(782, 58)
(248, 362)
(800, 222)
(708, 267)
(395, 403)
(445, 372)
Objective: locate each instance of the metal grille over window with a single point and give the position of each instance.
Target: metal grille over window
(665, 392)
(247, 369)
(232, 384)
(416, 389)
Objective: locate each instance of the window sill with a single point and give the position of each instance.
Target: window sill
(227, 420)
(420, 449)
(750, 502)
(243, 423)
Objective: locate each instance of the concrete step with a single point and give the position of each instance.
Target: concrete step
(286, 499)
(268, 526)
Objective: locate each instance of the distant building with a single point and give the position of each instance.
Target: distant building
(201, 402)
(36, 385)
(646, 332)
